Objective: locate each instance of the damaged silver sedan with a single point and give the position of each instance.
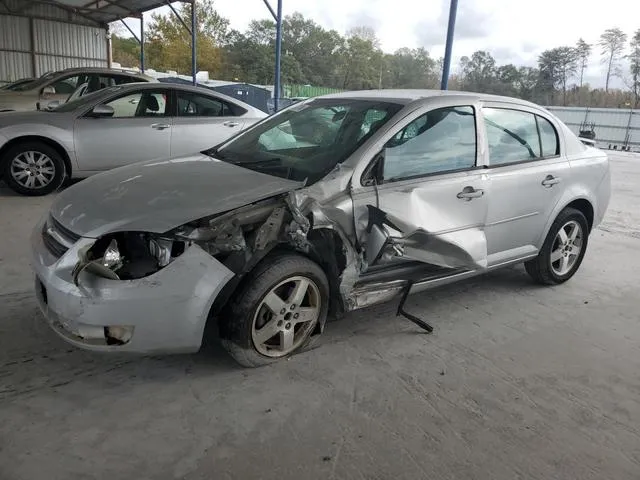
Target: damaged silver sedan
(333, 204)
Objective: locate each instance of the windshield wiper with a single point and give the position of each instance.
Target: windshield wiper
(271, 162)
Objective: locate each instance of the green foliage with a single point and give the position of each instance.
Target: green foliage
(315, 56)
(583, 52)
(612, 44)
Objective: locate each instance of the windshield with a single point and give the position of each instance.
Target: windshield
(307, 140)
(40, 82)
(16, 85)
(85, 99)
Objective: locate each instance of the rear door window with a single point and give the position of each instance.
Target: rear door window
(512, 136)
(192, 104)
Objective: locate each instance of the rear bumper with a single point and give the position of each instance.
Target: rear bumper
(167, 310)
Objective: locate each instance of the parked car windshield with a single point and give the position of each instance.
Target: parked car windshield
(40, 82)
(307, 140)
(85, 99)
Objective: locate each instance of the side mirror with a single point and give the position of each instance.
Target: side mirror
(102, 111)
(48, 91)
(52, 105)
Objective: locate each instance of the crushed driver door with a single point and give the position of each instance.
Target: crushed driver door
(424, 195)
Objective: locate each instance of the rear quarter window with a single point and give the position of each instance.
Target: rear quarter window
(548, 137)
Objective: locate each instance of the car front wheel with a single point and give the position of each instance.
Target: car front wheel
(275, 314)
(33, 168)
(563, 249)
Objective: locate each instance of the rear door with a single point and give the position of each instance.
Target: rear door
(424, 194)
(527, 172)
(140, 129)
(202, 121)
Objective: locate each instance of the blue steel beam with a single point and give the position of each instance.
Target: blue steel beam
(194, 35)
(277, 16)
(175, 12)
(276, 95)
(449, 47)
(131, 31)
(273, 14)
(141, 43)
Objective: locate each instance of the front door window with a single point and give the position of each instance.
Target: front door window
(442, 140)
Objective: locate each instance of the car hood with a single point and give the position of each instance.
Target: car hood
(158, 195)
(33, 116)
(10, 97)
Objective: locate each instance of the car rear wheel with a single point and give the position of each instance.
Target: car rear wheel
(33, 168)
(275, 314)
(563, 249)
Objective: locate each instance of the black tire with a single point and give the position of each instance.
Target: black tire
(56, 160)
(540, 268)
(236, 323)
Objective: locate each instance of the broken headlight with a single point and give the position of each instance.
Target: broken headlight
(127, 255)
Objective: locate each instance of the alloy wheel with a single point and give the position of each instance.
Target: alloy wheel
(286, 316)
(566, 248)
(33, 170)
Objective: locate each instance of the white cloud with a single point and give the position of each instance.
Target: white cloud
(512, 30)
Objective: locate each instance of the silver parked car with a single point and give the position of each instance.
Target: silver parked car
(16, 84)
(58, 86)
(333, 204)
(114, 127)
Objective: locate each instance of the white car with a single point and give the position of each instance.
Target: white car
(113, 127)
(58, 86)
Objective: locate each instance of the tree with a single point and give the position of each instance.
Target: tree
(583, 52)
(316, 49)
(410, 68)
(365, 33)
(612, 44)
(126, 50)
(479, 72)
(557, 66)
(528, 78)
(634, 67)
(549, 74)
(508, 79)
(567, 64)
(169, 44)
(359, 62)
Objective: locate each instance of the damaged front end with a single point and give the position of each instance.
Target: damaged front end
(239, 239)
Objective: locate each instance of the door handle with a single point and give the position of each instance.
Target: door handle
(231, 123)
(550, 181)
(160, 126)
(469, 193)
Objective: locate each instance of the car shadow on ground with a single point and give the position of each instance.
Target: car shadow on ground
(5, 191)
(49, 363)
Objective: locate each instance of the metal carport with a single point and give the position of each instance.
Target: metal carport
(37, 36)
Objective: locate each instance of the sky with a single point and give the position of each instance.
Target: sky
(513, 31)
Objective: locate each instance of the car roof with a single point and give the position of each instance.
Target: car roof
(406, 96)
(131, 73)
(177, 86)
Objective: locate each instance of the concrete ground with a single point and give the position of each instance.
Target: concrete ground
(517, 381)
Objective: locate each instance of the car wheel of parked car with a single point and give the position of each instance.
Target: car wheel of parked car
(275, 314)
(33, 168)
(563, 249)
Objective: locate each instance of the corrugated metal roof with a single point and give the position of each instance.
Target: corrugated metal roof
(98, 11)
